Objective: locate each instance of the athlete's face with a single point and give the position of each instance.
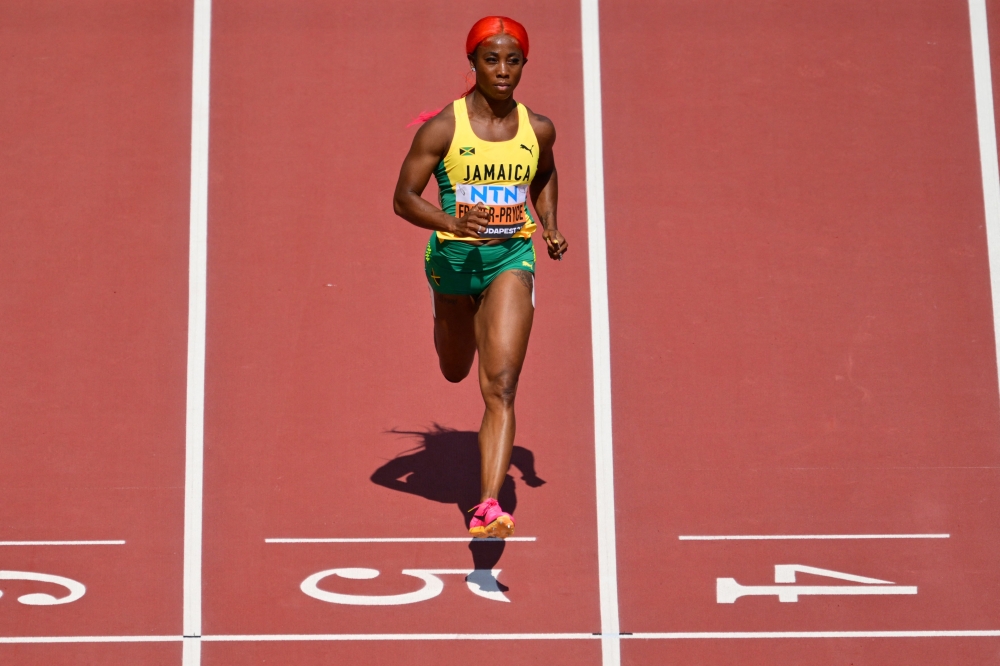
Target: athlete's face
(498, 61)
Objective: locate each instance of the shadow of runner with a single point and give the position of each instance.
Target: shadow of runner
(485, 555)
(444, 467)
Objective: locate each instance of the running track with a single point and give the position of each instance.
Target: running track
(797, 316)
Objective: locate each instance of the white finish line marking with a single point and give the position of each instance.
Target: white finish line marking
(399, 540)
(62, 543)
(690, 635)
(6, 640)
(780, 537)
(991, 633)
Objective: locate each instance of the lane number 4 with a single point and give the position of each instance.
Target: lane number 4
(727, 590)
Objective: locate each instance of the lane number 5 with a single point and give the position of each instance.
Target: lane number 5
(481, 582)
(76, 590)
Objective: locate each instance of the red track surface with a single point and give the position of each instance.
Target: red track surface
(95, 166)
(320, 347)
(801, 330)
(802, 340)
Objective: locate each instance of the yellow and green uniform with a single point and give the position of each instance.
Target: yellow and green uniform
(496, 174)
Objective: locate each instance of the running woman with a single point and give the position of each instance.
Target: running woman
(489, 155)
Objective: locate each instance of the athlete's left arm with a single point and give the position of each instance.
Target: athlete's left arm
(545, 186)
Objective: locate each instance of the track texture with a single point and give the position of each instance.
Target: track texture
(801, 331)
(94, 161)
(321, 368)
(802, 340)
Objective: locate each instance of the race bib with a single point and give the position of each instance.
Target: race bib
(505, 206)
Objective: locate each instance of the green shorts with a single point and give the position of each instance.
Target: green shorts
(460, 268)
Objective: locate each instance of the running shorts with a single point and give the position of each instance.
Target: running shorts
(461, 268)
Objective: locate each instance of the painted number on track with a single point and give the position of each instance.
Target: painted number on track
(75, 589)
(727, 590)
(481, 582)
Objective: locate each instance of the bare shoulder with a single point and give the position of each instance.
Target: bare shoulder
(435, 134)
(544, 129)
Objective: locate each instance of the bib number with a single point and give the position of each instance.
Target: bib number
(505, 207)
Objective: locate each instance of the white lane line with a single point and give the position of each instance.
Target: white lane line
(607, 556)
(987, 149)
(783, 537)
(197, 299)
(402, 637)
(191, 651)
(991, 633)
(62, 543)
(89, 639)
(689, 635)
(399, 540)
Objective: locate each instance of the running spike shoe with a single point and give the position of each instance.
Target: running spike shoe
(489, 520)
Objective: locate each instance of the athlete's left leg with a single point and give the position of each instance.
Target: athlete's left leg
(503, 325)
(454, 334)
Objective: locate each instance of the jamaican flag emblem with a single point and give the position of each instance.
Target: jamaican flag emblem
(466, 151)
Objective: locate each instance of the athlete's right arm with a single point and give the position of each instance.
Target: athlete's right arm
(429, 147)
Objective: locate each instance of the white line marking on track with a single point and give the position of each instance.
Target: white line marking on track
(819, 634)
(987, 149)
(693, 635)
(191, 653)
(197, 304)
(62, 543)
(404, 637)
(607, 555)
(782, 537)
(399, 540)
(89, 639)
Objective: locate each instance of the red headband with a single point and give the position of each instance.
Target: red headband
(486, 27)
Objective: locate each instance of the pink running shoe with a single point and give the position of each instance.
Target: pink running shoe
(489, 520)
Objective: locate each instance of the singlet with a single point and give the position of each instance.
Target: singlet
(494, 173)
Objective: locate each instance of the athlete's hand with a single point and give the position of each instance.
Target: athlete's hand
(473, 223)
(555, 243)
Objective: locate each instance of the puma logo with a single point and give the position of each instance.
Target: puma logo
(530, 150)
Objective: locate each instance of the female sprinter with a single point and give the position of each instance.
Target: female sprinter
(489, 154)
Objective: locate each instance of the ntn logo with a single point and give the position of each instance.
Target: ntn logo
(491, 194)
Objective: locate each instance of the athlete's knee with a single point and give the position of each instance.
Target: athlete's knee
(501, 387)
(455, 355)
(454, 368)
(454, 374)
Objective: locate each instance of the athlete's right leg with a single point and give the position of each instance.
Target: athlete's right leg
(455, 334)
(504, 326)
